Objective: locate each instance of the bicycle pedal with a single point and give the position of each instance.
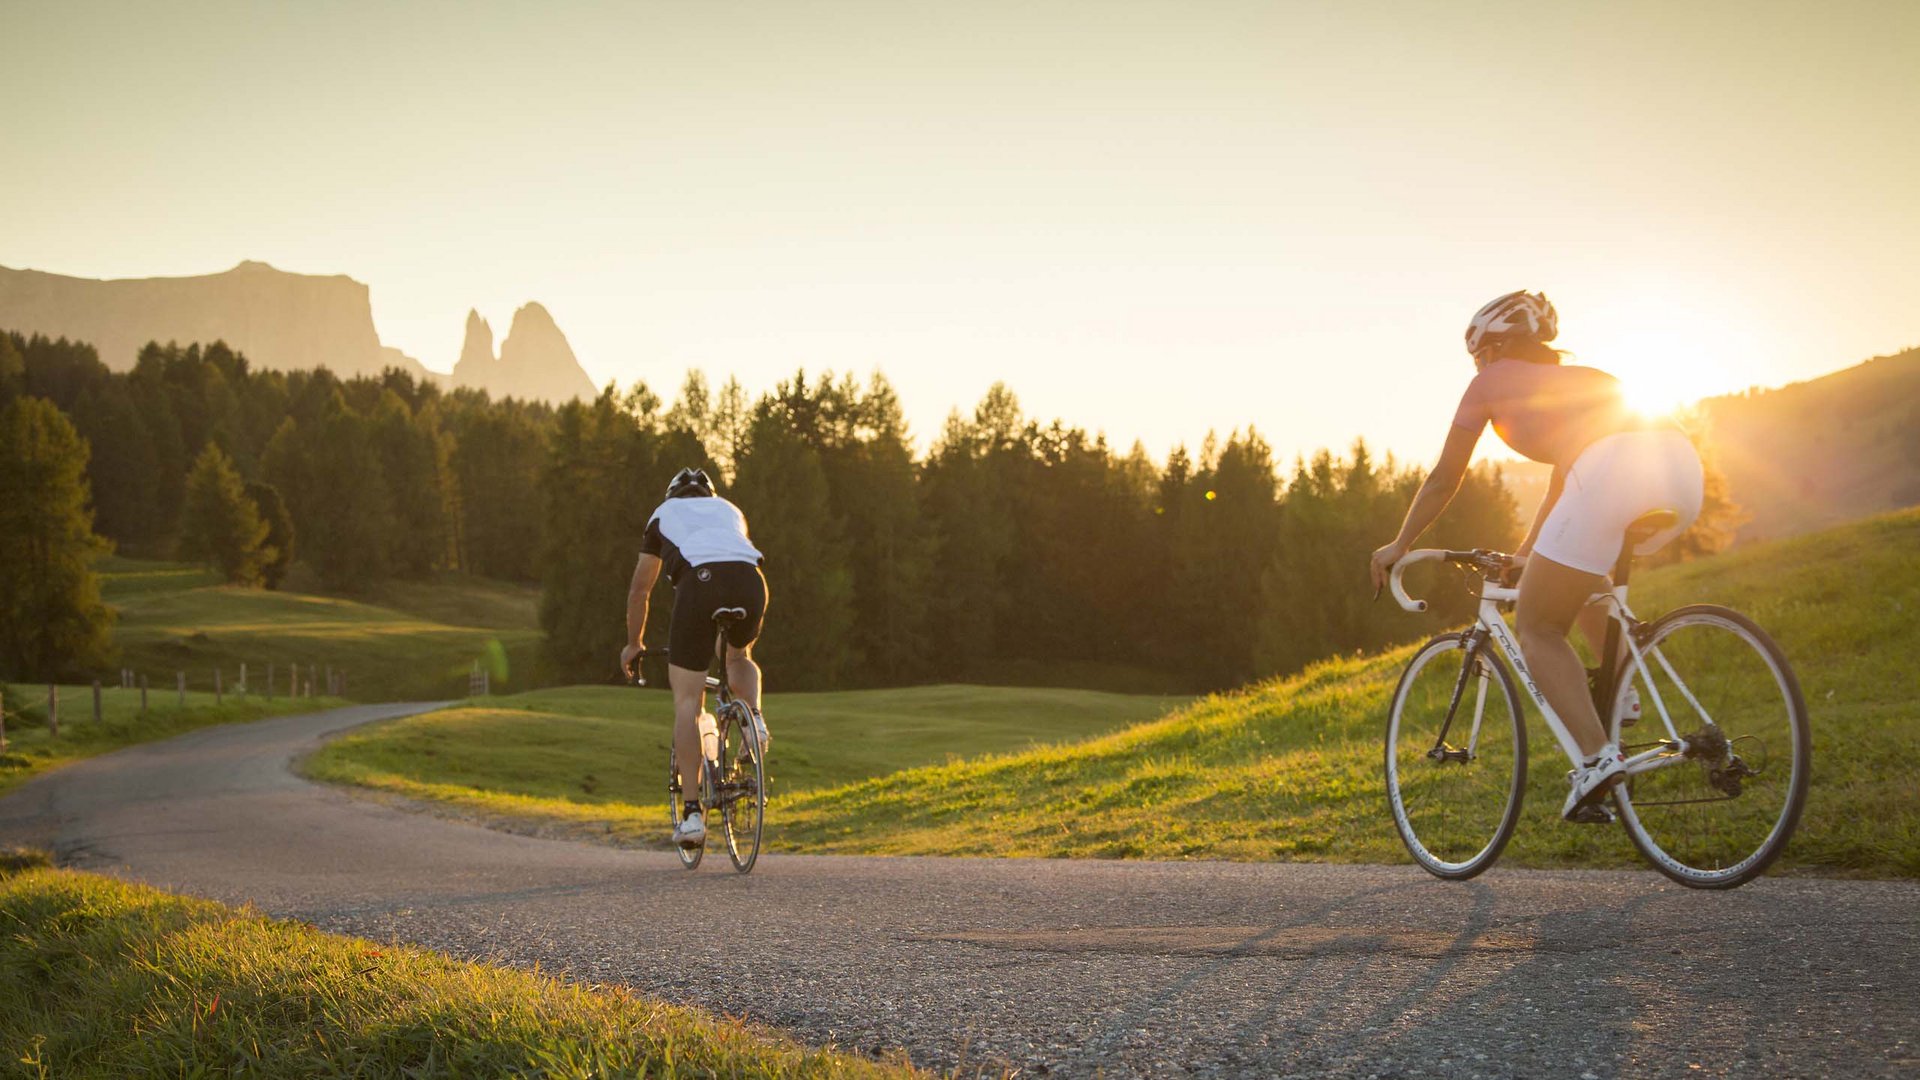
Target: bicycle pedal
(1592, 814)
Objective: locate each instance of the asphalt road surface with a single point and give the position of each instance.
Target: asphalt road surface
(1046, 967)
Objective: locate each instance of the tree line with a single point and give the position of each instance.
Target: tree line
(1011, 549)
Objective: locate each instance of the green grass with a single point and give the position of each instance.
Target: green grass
(104, 979)
(597, 755)
(419, 642)
(33, 749)
(1290, 769)
(1286, 769)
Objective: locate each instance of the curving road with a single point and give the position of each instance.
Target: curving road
(1069, 968)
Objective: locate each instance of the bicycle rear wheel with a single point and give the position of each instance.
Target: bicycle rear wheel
(743, 790)
(1455, 797)
(1719, 817)
(689, 857)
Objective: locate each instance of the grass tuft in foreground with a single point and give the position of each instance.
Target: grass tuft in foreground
(104, 979)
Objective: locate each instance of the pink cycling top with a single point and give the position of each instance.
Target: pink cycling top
(1548, 412)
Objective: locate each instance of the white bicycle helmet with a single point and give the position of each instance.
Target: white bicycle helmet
(1516, 315)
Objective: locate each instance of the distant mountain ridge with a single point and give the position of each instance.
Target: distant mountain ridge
(280, 320)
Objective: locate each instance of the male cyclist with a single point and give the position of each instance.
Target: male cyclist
(701, 540)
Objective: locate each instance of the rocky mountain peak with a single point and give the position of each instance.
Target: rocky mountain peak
(537, 362)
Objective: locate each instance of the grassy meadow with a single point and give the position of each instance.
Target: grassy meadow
(1286, 769)
(106, 979)
(597, 755)
(418, 641)
(1290, 769)
(31, 748)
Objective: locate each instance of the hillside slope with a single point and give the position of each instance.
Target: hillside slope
(1290, 769)
(419, 645)
(1831, 449)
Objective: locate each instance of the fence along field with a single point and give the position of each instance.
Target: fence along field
(195, 652)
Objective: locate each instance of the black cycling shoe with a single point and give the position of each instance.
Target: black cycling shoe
(1592, 814)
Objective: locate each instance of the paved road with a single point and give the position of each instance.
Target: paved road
(1054, 967)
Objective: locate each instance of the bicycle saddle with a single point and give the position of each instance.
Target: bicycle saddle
(1649, 523)
(729, 614)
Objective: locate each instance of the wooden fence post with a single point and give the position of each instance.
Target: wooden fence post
(329, 683)
(53, 711)
(143, 695)
(180, 684)
(269, 680)
(96, 701)
(313, 675)
(243, 679)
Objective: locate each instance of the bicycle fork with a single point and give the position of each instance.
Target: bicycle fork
(1472, 643)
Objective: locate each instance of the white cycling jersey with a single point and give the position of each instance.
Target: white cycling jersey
(698, 530)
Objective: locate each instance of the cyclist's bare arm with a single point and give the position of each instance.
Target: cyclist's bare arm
(1434, 495)
(645, 573)
(1437, 491)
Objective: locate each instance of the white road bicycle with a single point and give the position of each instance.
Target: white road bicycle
(1717, 761)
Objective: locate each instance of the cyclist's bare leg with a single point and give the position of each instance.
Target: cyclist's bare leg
(689, 693)
(1551, 598)
(1593, 622)
(743, 675)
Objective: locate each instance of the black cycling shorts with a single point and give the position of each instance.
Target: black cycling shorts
(703, 590)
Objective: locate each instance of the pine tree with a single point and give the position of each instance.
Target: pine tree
(13, 370)
(273, 511)
(410, 463)
(782, 489)
(220, 526)
(609, 461)
(52, 622)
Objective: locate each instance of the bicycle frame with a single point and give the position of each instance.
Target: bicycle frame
(1490, 624)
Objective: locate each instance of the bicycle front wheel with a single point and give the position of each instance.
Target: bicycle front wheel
(1724, 805)
(743, 791)
(1456, 757)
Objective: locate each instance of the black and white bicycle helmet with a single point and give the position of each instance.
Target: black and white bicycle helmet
(1517, 315)
(690, 482)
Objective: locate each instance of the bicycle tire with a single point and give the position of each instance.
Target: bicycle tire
(1425, 838)
(744, 804)
(689, 857)
(1758, 728)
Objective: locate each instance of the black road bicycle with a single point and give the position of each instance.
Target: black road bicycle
(733, 780)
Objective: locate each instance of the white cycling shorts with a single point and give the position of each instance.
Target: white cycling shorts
(1611, 484)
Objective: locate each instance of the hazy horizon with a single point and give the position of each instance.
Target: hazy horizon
(1150, 220)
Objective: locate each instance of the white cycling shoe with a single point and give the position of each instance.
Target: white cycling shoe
(691, 832)
(756, 729)
(1592, 781)
(1630, 707)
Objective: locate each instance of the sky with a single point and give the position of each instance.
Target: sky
(1149, 219)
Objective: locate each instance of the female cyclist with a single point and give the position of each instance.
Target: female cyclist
(1609, 468)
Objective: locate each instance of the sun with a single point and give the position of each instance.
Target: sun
(1652, 397)
(1666, 383)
